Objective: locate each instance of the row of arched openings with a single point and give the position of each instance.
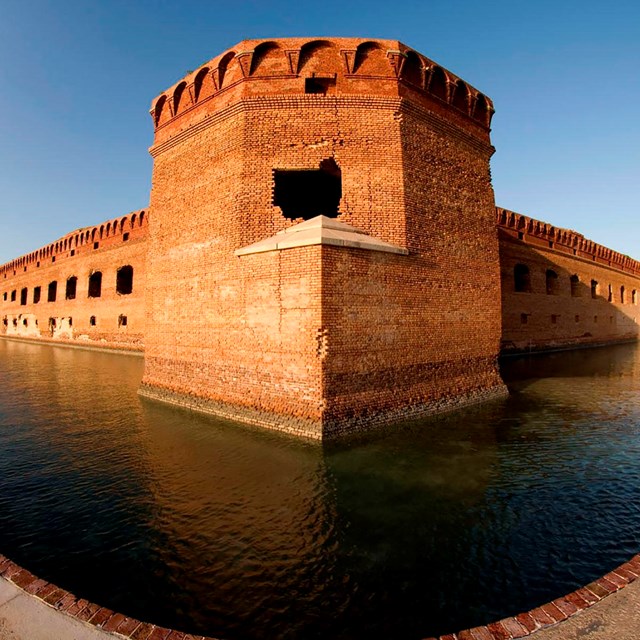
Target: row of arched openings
(370, 59)
(553, 286)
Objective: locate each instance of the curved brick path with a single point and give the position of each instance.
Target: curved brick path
(32, 609)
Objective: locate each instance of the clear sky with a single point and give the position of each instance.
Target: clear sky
(77, 79)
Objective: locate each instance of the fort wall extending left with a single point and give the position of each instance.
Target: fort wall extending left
(85, 288)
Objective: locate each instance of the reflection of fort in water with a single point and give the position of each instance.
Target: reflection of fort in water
(422, 525)
(320, 250)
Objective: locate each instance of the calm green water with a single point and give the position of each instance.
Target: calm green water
(202, 525)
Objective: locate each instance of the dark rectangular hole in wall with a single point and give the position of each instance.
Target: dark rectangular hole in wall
(23, 296)
(72, 283)
(36, 295)
(307, 193)
(320, 86)
(95, 285)
(52, 291)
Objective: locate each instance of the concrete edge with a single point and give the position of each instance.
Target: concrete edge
(519, 626)
(111, 623)
(74, 344)
(554, 612)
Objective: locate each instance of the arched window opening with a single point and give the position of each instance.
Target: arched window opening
(307, 193)
(372, 60)
(70, 293)
(124, 280)
(575, 286)
(52, 291)
(319, 57)
(122, 321)
(228, 69)
(177, 96)
(13, 295)
(157, 111)
(634, 297)
(95, 285)
(412, 69)
(610, 295)
(438, 83)
(199, 81)
(268, 60)
(461, 96)
(622, 295)
(521, 278)
(481, 112)
(594, 289)
(92, 321)
(37, 292)
(23, 296)
(553, 287)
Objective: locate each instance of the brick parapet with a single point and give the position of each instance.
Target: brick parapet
(81, 241)
(565, 241)
(347, 66)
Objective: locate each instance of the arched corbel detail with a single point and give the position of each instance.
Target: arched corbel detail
(293, 56)
(244, 59)
(215, 78)
(192, 92)
(349, 57)
(396, 60)
(217, 74)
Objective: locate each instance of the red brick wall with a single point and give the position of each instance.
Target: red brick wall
(56, 263)
(415, 173)
(535, 318)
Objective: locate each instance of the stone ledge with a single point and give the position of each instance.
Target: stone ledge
(321, 230)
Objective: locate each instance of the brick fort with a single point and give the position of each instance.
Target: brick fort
(322, 251)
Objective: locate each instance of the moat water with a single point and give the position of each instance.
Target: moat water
(195, 523)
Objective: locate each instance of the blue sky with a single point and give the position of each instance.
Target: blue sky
(78, 78)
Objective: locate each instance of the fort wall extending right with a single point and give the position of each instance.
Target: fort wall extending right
(560, 290)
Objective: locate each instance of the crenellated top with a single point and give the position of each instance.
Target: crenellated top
(133, 225)
(348, 66)
(564, 240)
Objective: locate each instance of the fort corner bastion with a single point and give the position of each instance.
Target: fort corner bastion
(322, 251)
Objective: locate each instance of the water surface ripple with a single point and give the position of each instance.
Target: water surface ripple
(199, 524)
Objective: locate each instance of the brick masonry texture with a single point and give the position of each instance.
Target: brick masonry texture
(318, 341)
